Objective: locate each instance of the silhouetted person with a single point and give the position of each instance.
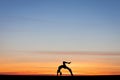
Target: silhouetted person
(65, 67)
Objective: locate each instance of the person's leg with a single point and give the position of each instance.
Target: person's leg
(70, 71)
(57, 73)
(60, 73)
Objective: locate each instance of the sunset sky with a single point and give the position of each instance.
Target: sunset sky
(37, 35)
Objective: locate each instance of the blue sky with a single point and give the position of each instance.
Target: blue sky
(60, 25)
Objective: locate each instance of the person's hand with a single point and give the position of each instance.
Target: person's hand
(69, 62)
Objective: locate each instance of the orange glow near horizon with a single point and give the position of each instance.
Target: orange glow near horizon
(85, 65)
(37, 68)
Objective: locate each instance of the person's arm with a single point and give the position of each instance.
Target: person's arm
(66, 62)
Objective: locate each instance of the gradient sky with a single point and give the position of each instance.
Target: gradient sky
(45, 32)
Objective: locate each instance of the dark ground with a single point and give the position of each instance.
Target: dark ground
(40, 77)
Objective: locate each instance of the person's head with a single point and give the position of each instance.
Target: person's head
(64, 61)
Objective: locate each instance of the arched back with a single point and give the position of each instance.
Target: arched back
(63, 67)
